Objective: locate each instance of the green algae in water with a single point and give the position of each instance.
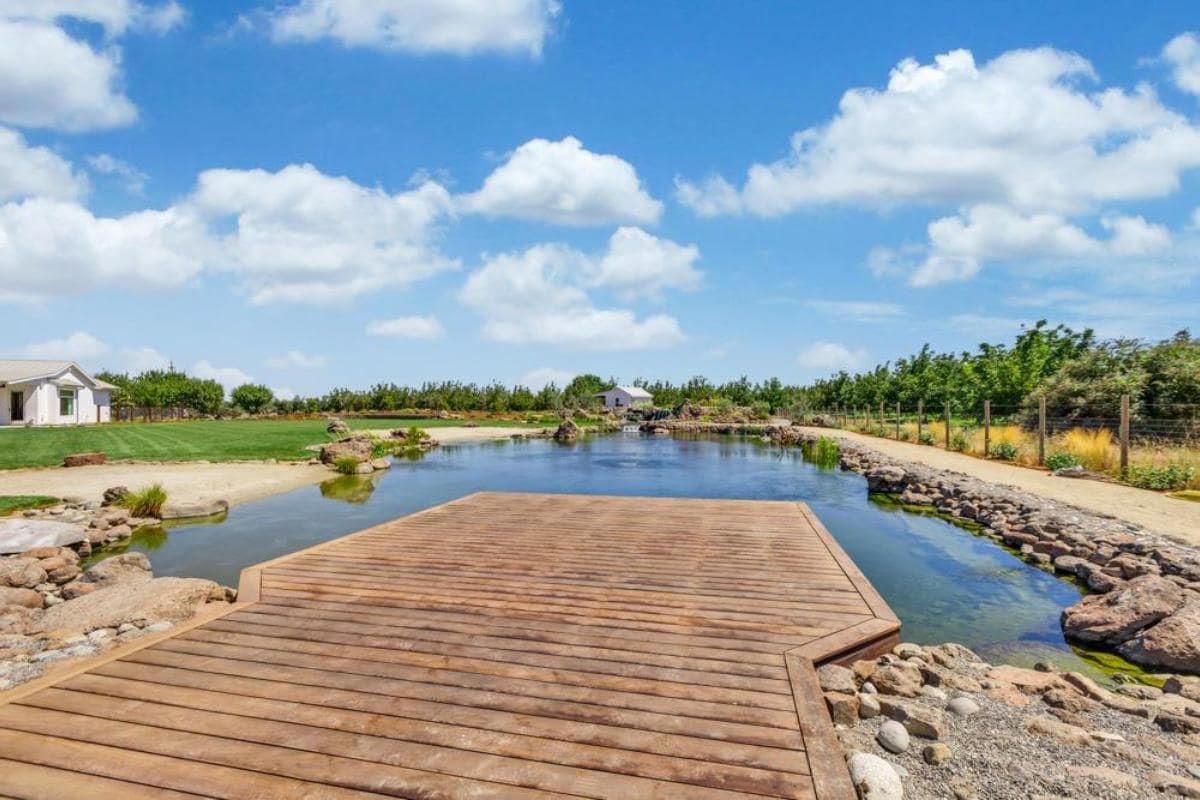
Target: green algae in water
(1026, 651)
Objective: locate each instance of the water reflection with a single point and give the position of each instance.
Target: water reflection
(943, 582)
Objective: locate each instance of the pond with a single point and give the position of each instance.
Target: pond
(944, 583)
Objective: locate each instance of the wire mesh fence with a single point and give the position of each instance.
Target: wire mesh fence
(1156, 446)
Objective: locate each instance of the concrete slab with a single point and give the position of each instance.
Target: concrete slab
(18, 534)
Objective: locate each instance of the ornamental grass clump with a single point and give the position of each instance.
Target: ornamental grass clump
(347, 465)
(146, 502)
(1093, 448)
(824, 452)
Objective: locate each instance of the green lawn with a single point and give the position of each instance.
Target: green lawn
(18, 502)
(202, 440)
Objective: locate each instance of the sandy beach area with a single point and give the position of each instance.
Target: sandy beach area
(187, 482)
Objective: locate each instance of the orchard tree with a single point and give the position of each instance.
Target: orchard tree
(252, 397)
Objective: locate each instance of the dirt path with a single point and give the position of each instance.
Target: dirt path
(1178, 519)
(188, 482)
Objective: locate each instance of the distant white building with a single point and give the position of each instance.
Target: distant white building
(626, 397)
(51, 393)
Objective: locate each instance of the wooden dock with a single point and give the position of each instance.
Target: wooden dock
(499, 646)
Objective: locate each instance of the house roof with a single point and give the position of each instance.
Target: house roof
(22, 370)
(632, 391)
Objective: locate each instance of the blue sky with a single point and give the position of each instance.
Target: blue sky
(314, 193)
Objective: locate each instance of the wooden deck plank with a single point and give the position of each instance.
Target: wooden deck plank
(501, 645)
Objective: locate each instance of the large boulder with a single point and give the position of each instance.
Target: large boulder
(1119, 615)
(84, 459)
(138, 602)
(568, 431)
(18, 534)
(123, 568)
(337, 427)
(199, 508)
(360, 448)
(26, 598)
(874, 778)
(21, 573)
(1174, 643)
(114, 495)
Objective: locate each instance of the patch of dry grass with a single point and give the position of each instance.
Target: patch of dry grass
(1093, 448)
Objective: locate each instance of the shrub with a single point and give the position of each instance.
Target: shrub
(1005, 451)
(761, 410)
(347, 465)
(1062, 460)
(905, 435)
(960, 441)
(1092, 448)
(1174, 476)
(146, 502)
(926, 438)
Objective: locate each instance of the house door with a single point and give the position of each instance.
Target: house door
(17, 406)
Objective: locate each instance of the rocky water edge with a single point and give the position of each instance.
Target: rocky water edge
(53, 608)
(1145, 601)
(927, 722)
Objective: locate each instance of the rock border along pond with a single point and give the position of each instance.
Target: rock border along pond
(1145, 601)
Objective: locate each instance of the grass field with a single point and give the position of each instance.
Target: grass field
(201, 440)
(10, 503)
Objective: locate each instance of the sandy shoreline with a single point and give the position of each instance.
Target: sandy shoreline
(188, 482)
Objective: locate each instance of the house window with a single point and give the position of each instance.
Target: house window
(66, 402)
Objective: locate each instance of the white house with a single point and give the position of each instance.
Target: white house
(626, 397)
(51, 393)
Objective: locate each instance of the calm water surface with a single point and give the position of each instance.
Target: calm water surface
(944, 583)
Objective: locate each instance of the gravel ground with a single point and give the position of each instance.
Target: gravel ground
(994, 755)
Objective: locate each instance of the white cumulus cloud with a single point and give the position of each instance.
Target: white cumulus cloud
(229, 377)
(299, 235)
(1021, 130)
(136, 360)
(960, 245)
(415, 327)
(79, 346)
(52, 79)
(51, 247)
(35, 171)
(132, 178)
(564, 183)
(461, 27)
(539, 296)
(637, 264)
(1183, 54)
(831, 356)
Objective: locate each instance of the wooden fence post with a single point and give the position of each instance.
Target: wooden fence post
(1124, 434)
(987, 428)
(882, 429)
(1042, 429)
(920, 411)
(897, 421)
(947, 425)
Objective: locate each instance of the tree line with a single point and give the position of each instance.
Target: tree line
(1080, 376)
